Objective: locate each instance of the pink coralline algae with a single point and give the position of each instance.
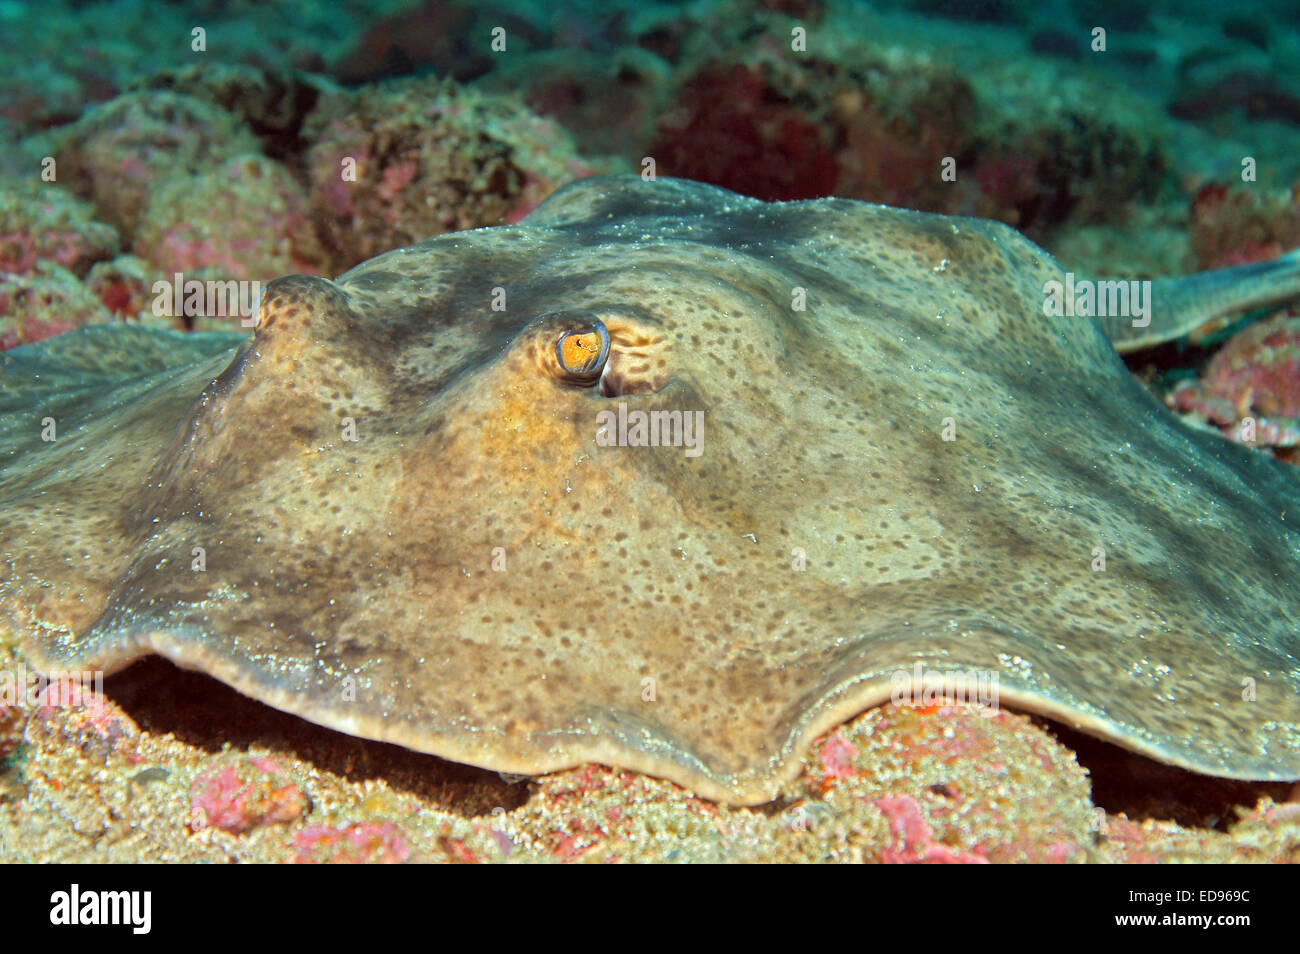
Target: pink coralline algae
(247, 794)
(1250, 390)
(48, 242)
(123, 286)
(836, 755)
(263, 230)
(914, 838)
(932, 783)
(366, 843)
(119, 153)
(597, 814)
(398, 162)
(863, 120)
(48, 300)
(44, 222)
(79, 716)
(1238, 226)
(733, 131)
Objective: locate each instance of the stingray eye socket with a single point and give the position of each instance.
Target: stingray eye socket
(582, 353)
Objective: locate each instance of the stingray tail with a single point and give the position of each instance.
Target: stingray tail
(1179, 306)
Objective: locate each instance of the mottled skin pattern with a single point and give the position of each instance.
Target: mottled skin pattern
(646, 609)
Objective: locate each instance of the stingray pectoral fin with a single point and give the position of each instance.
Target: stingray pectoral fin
(1178, 306)
(78, 439)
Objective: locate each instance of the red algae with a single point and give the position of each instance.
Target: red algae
(365, 843)
(247, 794)
(1250, 390)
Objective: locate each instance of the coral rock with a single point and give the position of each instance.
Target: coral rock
(366, 843)
(118, 153)
(243, 795)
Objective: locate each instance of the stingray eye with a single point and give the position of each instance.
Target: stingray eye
(582, 353)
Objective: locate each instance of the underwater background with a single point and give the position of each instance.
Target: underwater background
(142, 139)
(1130, 140)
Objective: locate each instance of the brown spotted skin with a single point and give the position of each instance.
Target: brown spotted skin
(645, 609)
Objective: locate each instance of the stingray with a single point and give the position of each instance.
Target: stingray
(668, 479)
